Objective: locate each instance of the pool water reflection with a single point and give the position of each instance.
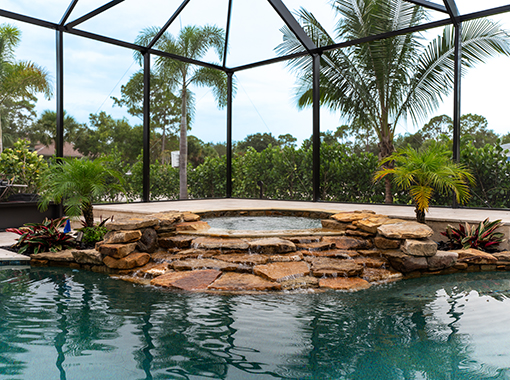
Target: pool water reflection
(58, 323)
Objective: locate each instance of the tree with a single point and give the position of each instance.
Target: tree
(424, 171)
(77, 183)
(19, 81)
(44, 130)
(380, 82)
(164, 105)
(192, 42)
(105, 133)
(258, 141)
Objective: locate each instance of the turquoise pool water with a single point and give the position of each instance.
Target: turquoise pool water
(63, 324)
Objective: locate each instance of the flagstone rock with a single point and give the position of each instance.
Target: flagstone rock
(334, 253)
(272, 246)
(383, 243)
(502, 257)
(344, 283)
(64, 256)
(348, 217)
(219, 243)
(304, 239)
(117, 251)
(179, 241)
(316, 246)
(192, 226)
(359, 233)
(442, 260)
(331, 224)
(424, 247)
(132, 223)
(322, 266)
(244, 258)
(348, 242)
(167, 219)
(304, 282)
(198, 253)
(474, 256)
(133, 260)
(405, 263)
(369, 252)
(371, 262)
(282, 271)
(190, 217)
(380, 274)
(286, 257)
(192, 264)
(149, 241)
(371, 223)
(87, 256)
(232, 281)
(120, 237)
(152, 269)
(405, 230)
(189, 280)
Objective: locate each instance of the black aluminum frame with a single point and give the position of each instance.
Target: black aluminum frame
(449, 8)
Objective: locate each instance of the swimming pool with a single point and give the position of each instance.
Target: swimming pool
(62, 324)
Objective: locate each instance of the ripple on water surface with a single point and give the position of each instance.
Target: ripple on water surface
(58, 323)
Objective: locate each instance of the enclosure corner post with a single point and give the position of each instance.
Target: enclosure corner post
(146, 126)
(456, 98)
(316, 127)
(229, 135)
(59, 135)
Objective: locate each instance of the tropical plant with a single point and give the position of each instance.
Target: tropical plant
(77, 183)
(378, 83)
(192, 42)
(19, 80)
(22, 167)
(42, 237)
(423, 171)
(483, 236)
(94, 234)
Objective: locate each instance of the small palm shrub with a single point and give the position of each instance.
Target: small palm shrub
(42, 237)
(92, 235)
(483, 237)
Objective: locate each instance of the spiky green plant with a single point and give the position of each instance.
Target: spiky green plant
(425, 171)
(77, 183)
(483, 236)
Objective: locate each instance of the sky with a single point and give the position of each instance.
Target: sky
(265, 100)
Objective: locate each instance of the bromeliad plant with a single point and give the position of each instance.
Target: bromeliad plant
(42, 237)
(483, 237)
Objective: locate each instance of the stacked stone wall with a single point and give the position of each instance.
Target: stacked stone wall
(353, 251)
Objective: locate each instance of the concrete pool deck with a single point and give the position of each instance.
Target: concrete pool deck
(437, 217)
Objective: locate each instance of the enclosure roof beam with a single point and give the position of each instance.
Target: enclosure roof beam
(293, 25)
(68, 12)
(28, 19)
(453, 11)
(168, 23)
(227, 33)
(429, 5)
(94, 13)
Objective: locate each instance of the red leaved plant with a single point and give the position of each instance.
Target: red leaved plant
(483, 237)
(41, 237)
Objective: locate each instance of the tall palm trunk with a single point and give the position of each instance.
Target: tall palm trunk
(183, 147)
(386, 148)
(88, 214)
(1, 136)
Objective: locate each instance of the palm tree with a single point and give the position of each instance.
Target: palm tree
(77, 183)
(18, 80)
(425, 171)
(192, 42)
(376, 84)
